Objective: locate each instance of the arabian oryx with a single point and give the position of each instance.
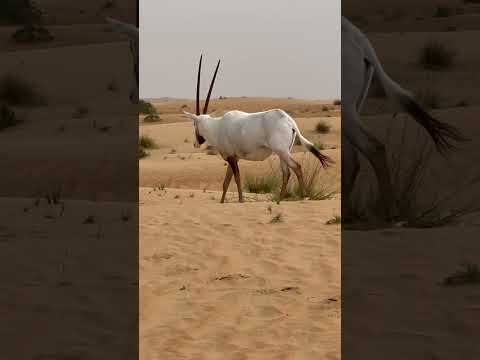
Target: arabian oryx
(132, 33)
(359, 64)
(250, 136)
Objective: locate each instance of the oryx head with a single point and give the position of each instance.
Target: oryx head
(199, 139)
(132, 33)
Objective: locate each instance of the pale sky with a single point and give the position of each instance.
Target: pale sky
(274, 48)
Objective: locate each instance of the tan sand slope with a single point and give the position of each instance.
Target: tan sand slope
(220, 281)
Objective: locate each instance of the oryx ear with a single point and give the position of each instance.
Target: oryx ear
(127, 29)
(191, 116)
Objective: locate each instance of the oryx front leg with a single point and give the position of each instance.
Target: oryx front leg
(226, 182)
(236, 173)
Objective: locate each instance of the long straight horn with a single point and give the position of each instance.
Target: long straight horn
(198, 84)
(210, 90)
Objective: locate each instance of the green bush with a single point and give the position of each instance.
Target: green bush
(32, 34)
(261, 184)
(17, 91)
(436, 56)
(8, 118)
(146, 108)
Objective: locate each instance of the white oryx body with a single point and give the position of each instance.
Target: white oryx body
(359, 65)
(239, 135)
(250, 136)
(133, 34)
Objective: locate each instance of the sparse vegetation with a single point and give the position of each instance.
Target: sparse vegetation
(409, 171)
(81, 112)
(325, 108)
(334, 220)
(142, 153)
(151, 118)
(277, 219)
(337, 102)
(90, 219)
(146, 108)
(109, 4)
(435, 55)
(147, 142)
(14, 90)
(30, 33)
(8, 118)
(125, 216)
(261, 184)
(112, 86)
(443, 11)
(468, 274)
(322, 127)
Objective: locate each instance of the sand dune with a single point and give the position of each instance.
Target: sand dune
(223, 282)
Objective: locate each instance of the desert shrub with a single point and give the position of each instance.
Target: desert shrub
(142, 153)
(109, 4)
(112, 86)
(146, 108)
(325, 108)
(266, 184)
(8, 118)
(19, 11)
(322, 127)
(31, 34)
(147, 142)
(337, 102)
(17, 91)
(443, 11)
(411, 173)
(80, 112)
(435, 55)
(468, 274)
(151, 118)
(334, 220)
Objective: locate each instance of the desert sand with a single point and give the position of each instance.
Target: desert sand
(227, 281)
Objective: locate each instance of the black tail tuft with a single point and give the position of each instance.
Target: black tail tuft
(324, 159)
(443, 135)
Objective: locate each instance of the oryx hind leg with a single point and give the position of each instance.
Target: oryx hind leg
(296, 167)
(374, 151)
(285, 178)
(226, 182)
